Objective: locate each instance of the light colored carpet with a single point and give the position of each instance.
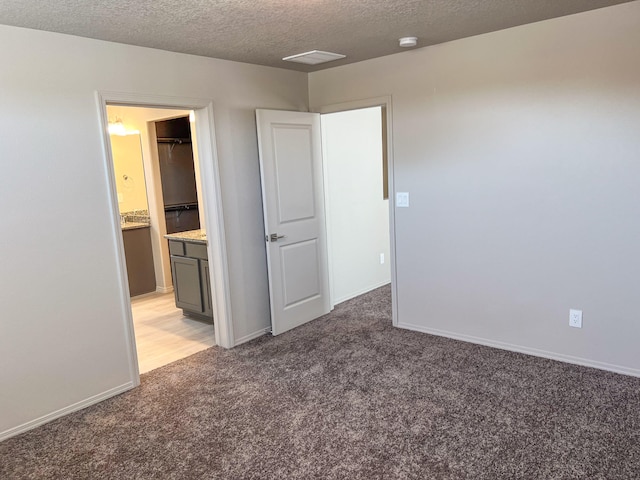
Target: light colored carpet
(348, 397)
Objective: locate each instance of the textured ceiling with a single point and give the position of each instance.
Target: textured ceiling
(264, 31)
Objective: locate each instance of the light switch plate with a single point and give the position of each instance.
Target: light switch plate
(402, 199)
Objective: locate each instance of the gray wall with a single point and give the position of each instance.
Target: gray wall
(62, 335)
(520, 150)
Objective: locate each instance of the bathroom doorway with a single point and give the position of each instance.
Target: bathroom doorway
(163, 332)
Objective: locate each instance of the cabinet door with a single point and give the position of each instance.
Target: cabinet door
(139, 258)
(187, 283)
(206, 288)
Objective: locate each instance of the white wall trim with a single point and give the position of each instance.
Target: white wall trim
(30, 425)
(327, 216)
(160, 289)
(216, 237)
(526, 350)
(251, 336)
(212, 200)
(383, 101)
(125, 300)
(360, 292)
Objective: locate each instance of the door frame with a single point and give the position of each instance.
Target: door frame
(386, 103)
(212, 201)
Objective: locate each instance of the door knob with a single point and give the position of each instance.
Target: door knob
(274, 237)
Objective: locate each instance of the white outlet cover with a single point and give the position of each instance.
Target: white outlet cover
(575, 318)
(402, 199)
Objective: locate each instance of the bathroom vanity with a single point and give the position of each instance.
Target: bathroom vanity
(190, 271)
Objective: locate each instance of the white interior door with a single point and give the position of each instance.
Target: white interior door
(293, 202)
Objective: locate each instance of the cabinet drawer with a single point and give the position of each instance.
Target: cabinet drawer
(176, 248)
(196, 250)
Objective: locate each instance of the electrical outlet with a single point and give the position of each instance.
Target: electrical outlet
(402, 199)
(382, 259)
(575, 318)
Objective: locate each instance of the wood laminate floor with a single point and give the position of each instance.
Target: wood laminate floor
(164, 334)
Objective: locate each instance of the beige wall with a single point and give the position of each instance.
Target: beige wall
(519, 149)
(520, 153)
(62, 332)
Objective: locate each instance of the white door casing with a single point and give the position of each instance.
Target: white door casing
(293, 202)
(386, 102)
(212, 200)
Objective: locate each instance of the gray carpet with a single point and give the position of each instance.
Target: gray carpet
(348, 397)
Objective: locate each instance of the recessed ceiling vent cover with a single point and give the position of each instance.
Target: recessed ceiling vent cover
(314, 57)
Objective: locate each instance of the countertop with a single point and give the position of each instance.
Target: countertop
(133, 225)
(194, 236)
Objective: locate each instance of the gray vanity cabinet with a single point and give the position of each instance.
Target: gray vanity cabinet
(191, 285)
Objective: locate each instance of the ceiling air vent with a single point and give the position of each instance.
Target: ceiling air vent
(314, 57)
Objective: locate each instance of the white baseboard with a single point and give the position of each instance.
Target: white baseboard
(336, 301)
(12, 432)
(168, 289)
(526, 350)
(251, 336)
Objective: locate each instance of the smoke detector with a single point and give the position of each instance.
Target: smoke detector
(408, 42)
(314, 57)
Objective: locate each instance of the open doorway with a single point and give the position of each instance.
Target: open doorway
(357, 201)
(156, 172)
(295, 181)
